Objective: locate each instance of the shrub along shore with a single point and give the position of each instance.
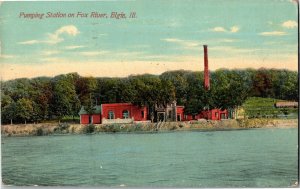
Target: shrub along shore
(43, 129)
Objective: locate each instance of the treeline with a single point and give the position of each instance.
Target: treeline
(45, 98)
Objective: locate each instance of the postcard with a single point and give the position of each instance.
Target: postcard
(140, 93)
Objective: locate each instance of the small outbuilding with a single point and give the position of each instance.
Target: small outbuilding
(90, 117)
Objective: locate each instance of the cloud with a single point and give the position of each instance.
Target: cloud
(30, 42)
(128, 53)
(230, 49)
(70, 29)
(119, 54)
(74, 47)
(49, 53)
(55, 37)
(233, 29)
(219, 29)
(172, 40)
(93, 53)
(185, 43)
(6, 56)
(273, 33)
(289, 24)
(228, 40)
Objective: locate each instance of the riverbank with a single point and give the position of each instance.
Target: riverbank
(64, 128)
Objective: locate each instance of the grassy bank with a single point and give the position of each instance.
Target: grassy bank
(54, 128)
(257, 107)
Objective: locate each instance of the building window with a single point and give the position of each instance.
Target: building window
(111, 115)
(125, 114)
(143, 114)
(223, 116)
(170, 114)
(216, 114)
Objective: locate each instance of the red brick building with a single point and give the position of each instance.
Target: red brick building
(129, 113)
(114, 113)
(214, 114)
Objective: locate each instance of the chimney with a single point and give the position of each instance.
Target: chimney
(206, 73)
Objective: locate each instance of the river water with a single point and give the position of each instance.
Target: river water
(236, 158)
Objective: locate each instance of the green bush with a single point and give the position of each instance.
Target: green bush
(62, 128)
(112, 128)
(71, 119)
(138, 127)
(39, 132)
(89, 129)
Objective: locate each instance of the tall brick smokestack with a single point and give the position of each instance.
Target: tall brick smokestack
(206, 73)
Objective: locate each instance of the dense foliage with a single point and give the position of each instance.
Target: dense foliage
(46, 98)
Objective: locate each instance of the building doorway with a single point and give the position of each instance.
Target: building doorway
(90, 119)
(178, 117)
(161, 116)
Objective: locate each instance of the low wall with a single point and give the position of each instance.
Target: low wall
(113, 121)
(143, 122)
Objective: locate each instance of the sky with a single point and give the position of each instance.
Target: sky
(165, 35)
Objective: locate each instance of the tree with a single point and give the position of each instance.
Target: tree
(64, 100)
(85, 89)
(18, 88)
(285, 84)
(166, 92)
(126, 90)
(262, 83)
(24, 109)
(8, 109)
(196, 98)
(108, 89)
(41, 98)
(151, 91)
(229, 89)
(179, 81)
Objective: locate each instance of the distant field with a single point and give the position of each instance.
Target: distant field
(256, 107)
